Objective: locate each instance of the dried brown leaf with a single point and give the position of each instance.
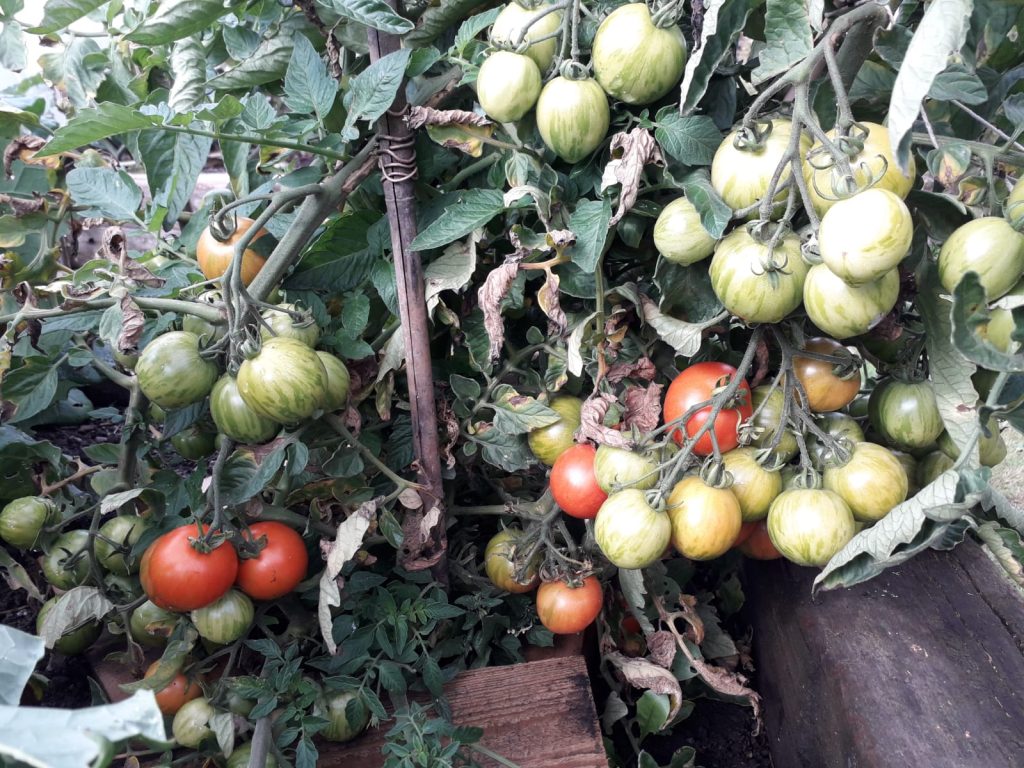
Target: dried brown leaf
(642, 369)
(661, 648)
(22, 147)
(421, 546)
(421, 116)
(449, 432)
(490, 296)
(561, 238)
(643, 674)
(347, 542)
(547, 299)
(21, 205)
(630, 153)
(643, 407)
(133, 322)
(592, 427)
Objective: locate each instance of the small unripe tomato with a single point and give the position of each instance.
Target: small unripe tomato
(572, 117)
(756, 283)
(988, 246)
(66, 547)
(550, 442)
(742, 176)
(191, 725)
(172, 373)
(225, 619)
(214, 255)
(634, 60)
(842, 310)
(173, 696)
(619, 468)
(151, 625)
(862, 237)
(514, 17)
(283, 324)
(22, 520)
(871, 483)
(338, 382)
(754, 486)
(75, 639)
(705, 520)
(500, 565)
(121, 531)
(679, 235)
(240, 757)
(347, 714)
(629, 531)
(507, 86)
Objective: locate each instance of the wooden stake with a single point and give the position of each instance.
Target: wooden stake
(422, 548)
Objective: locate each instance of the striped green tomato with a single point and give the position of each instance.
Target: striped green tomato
(988, 246)
(742, 176)
(283, 324)
(1000, 328)
(201, 327)
(875, 162)
(755, 285)
(619, 468)
(838, 425)
(346, 712)
(284, 382)
(240, 758)
(75, 639)
(705, 520)
(234, 417)
(22, 520)
(56, 568)
(754, 486)
(1014, 205)
(572, 117)
(871, 483)
(931, 466)
(194, 442)
(863, 237)
(768, 404)
(172, 373)
(634, 60)
(679, 235)
(991, 447)
(548, 443)
(629, 531)
(507, 86)
(905, 413)
(225, 619)
(338, 382)
(123, 531)
(514, 17)
(151, 625)
(808, 526)
(842, 310)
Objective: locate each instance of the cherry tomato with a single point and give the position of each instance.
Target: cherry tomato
(574, 484)
(825, 391)
(172, 696)
(214, 256)
(280, 566)
(697, 384)
(566, 610)
(178, 577)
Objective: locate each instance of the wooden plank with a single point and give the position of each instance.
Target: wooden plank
(921, 666)
(538, 715)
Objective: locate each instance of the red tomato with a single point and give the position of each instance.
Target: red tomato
(697, 384)
(177, 577)
(758, 545)
(566, 610)
(281, 564)
(573, 483)
(172, 696)
(746, 531)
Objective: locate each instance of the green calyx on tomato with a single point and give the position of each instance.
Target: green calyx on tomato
(756, 283)
(742, 170)
(630, 532)
(281, 323)
(114, 544)
(65, 564)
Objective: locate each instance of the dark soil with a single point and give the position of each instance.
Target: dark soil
(72, 439)
(722, 734)
(67, 676)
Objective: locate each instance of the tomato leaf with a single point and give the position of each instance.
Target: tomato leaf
(173, 162)
(690, 140)
(20, 652)
(474, 209)
(346, 543)
(31, 388)
(73, 609)
(589, 222)
(956, 82)
(105, 192)
(175, 19)
(517, 414)
(373, 13)
(17, 578)
(940, 34)
(652, 712)
(723, 21)
(58, 14)
(308, 88)
(787, 30)
(715, 214)
(373, 90)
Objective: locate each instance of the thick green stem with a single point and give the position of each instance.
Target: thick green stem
(207, 312)
(247, 138)
(336, 423)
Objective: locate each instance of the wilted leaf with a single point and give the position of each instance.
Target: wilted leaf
(641, 673)
(683, 337)
(630, 152)
(347, 541)
(516, 414)
(723, 20)
(451, 271)
(74, 608)
(496, 286)
(643, 407)
(547, 300)
(134, 322)
(640, 369)
(592, 427)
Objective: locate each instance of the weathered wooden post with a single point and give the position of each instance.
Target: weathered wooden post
(425, 540)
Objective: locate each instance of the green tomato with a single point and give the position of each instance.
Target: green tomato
(1000, 328)
(194, 442)
(284, 325)
(991, 448)
(809, 526)
(507, 86)
(235, 418)
(346, 712)
(679, 235)
(630, 532)
(240, 757)
(634, 60)
(203, 328)
(910, 467)
(225, 619)
(754, 486)
(514, 17)
(871, 483)
(905, 414)
(121, 531)
(1014, 206)
(284, 382)
(931, 466)
(865, 236)
(55, 565)
(172, 373)
(988, 246)
(619, 468)
(572, 117)
(875, 162)
(768, 404)
(842, 310)
(22, 520)
(838, 425)
(338, 382)
(548, 443)
(742, 176)
(754, 284)
(151, 625)
(191, 725)
(122, 589)
(74, 640)
(500, 566)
